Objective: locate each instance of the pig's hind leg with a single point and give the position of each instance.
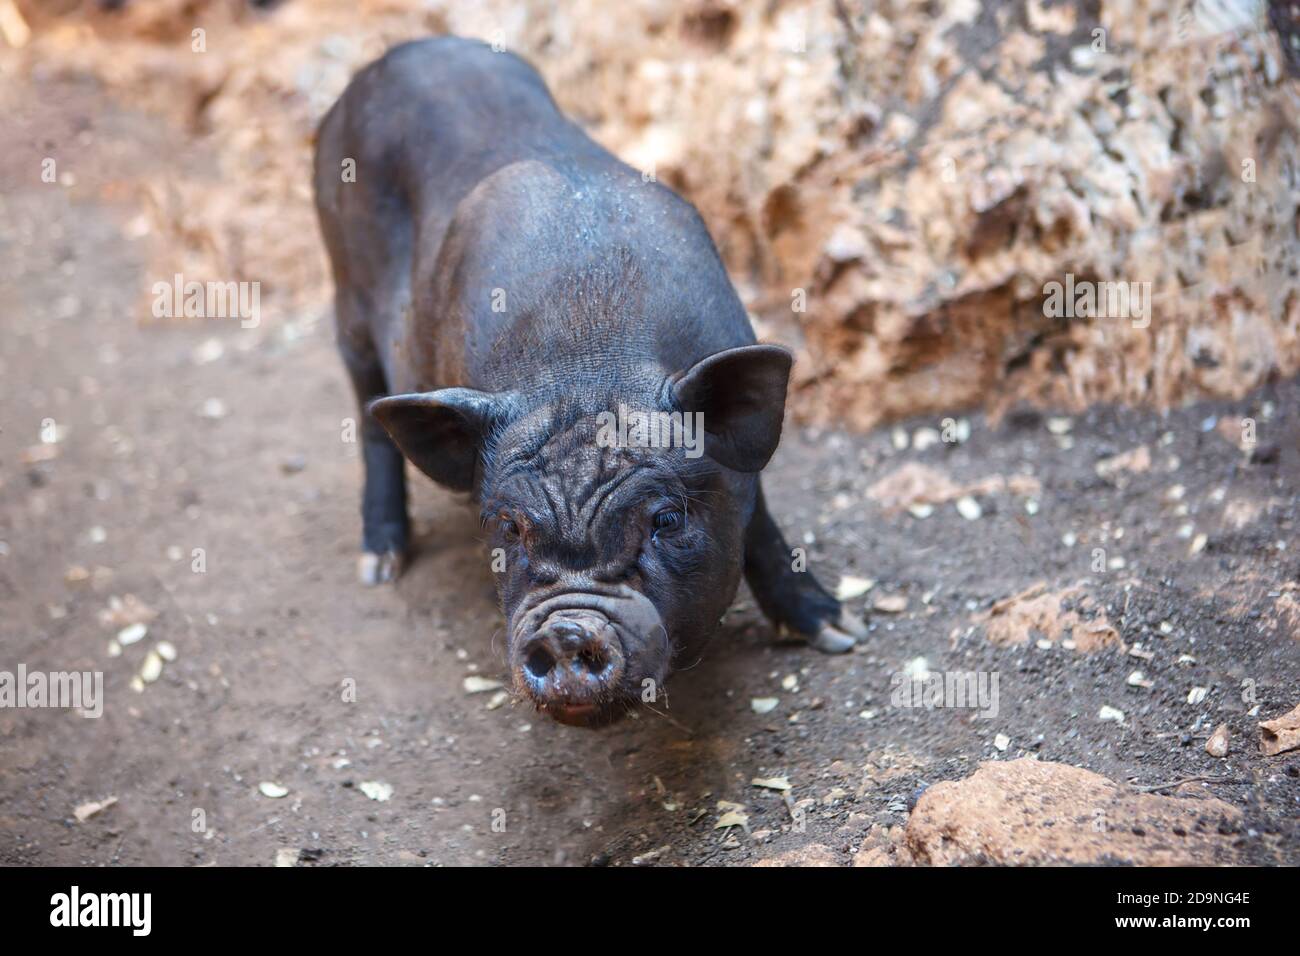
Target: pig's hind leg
(790, 598)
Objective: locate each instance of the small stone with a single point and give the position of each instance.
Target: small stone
(851, 587)
(377, 790)
(87, 810)
(480, 685)
(924, 438)
(152, 667)
(1217, 745)
(131, 634)
(891, 604)
(917, 669)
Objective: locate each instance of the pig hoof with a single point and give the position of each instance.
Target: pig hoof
(375, 568)
(839, 638)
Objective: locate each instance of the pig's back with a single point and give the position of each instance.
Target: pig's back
(465, 149)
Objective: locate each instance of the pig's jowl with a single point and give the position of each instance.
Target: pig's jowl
(509, 296)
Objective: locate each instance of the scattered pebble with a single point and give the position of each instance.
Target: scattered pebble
(132, 634)
(1197, 694)
(497, 700)
(1002, 742)
(891, 604)
(772, 783)
(924, 438)
(1217, 745)
(166, 650)
(214, 408)
(643, 858)
(272, 790)
(918, 668)
(764, 705)
(480, 685)
(377, 790)
(851, 587)
(87, 810)
(969, 508)
(1111, 713)
(287, 856)
(1138, 679)
(152, 667)
(208, 352)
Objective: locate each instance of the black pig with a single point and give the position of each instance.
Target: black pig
(504, 288)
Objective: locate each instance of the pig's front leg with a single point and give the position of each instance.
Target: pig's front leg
(385, 526)
(793, 598)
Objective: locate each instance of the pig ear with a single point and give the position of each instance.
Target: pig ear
(741, 393)
(441, 432)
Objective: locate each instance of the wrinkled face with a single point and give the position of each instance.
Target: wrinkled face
(613, 561)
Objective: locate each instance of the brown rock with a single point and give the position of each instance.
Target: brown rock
(1280, 734)
(922, 174)
(811, 854)
(1031, 812)
(1037, 611)
(880, 848)
(1217, 745)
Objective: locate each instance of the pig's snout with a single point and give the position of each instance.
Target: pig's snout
(580, 656)
(572, 662)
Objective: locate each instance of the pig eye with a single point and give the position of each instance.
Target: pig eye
(509, 527)
(670, 519)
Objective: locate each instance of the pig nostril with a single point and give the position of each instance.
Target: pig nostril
(539, 662)
(593, 658)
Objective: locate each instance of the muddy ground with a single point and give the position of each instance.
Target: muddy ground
(148, 467)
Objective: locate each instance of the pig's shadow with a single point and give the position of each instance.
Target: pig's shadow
(642, 783)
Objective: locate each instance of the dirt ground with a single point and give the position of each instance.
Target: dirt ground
(148, 467)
